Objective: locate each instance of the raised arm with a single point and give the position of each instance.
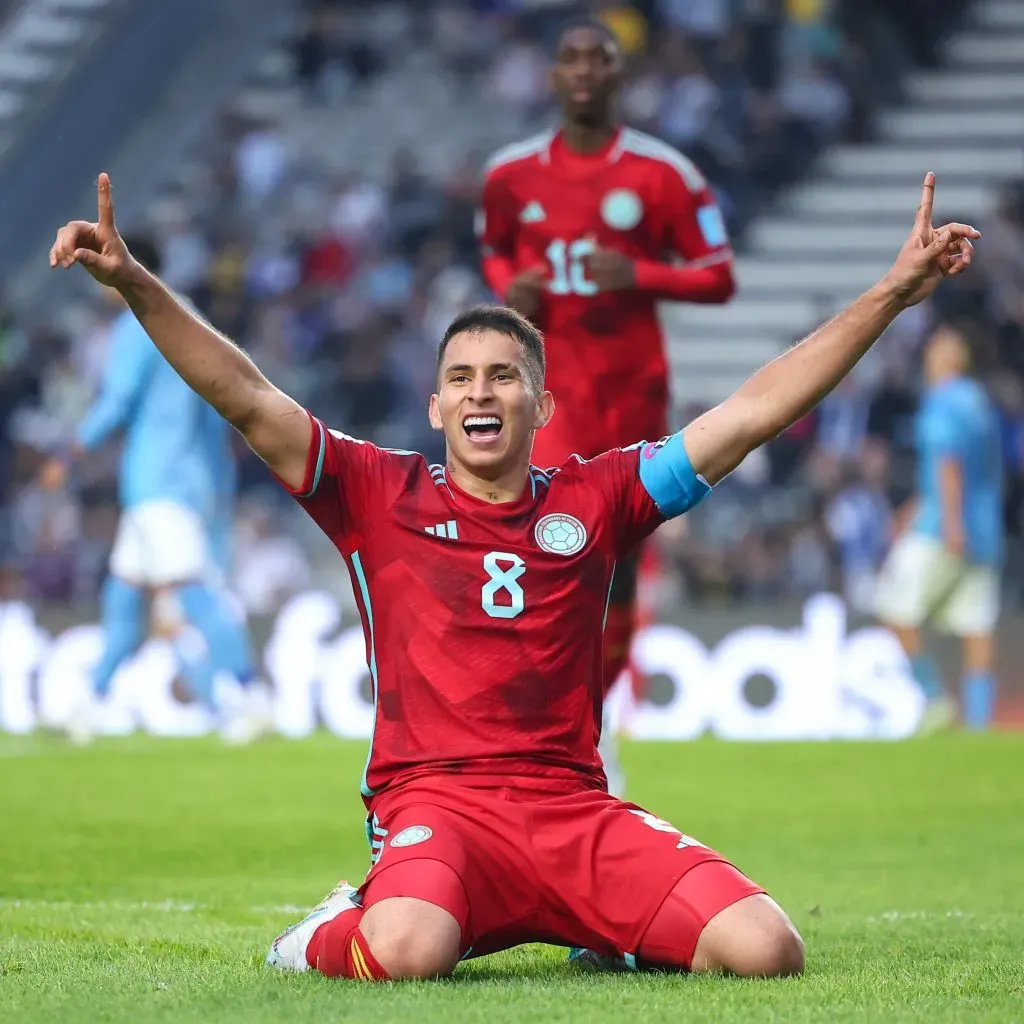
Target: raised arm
(276, 427)
(787, 388)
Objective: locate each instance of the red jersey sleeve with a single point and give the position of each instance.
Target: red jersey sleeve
(495, 227)
(347, 484)
(631, 514)
(694, 233)
(643, 485)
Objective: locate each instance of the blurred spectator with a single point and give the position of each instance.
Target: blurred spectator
(809, 568)
(627, 22)
(261, 162)
(843, 419)
(859, 521)
(185, 254)
(519, 75)
(463, 42)
(360, 212)
(1003, 260)
(330, 55)
(413, 204)
(816, 103)
(703, 21)
(271, 565)
(691, 99)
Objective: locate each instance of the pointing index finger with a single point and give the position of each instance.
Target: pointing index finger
(924, 211)
(104, 202)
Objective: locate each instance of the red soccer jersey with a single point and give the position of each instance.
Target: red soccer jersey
(545, 205)
(483, 622)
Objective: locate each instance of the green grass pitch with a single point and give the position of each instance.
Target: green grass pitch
(142, 880)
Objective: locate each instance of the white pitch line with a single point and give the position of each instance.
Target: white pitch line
(899, 916)
(56, 748)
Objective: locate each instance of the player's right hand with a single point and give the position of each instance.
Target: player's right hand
(930, 254)
(96, 245)
(525, 293)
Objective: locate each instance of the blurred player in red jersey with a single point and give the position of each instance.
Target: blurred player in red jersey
(586, 231)
(482, 585)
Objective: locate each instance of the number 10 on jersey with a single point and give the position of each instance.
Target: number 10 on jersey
(568, 267)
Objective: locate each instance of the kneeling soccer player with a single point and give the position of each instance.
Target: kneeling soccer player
(482, 585)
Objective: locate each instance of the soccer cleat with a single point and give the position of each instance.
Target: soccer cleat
(939, 714)
(288, 951)
(252, 720)
(592, 961)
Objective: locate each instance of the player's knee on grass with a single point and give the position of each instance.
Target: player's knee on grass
(751, 939)
(717, 919)
(411, 938)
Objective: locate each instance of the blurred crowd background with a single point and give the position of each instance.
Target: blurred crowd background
(339, 283)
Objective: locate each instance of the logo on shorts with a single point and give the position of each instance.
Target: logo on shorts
(412, 835)
(621, 209)
(560, 534)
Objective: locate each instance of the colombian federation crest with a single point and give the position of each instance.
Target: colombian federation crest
(560, 534)
(622, 209)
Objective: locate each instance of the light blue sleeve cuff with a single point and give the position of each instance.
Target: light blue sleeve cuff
(669, 477)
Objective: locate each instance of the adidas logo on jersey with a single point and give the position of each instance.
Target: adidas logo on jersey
(533, 213)
(449, 530)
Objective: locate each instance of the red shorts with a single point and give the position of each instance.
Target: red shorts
(545, 861)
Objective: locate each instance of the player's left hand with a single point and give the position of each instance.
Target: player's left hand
(930, 254)
(610, 270)
(96, 245)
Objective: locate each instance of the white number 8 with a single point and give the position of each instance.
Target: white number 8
(503, 579)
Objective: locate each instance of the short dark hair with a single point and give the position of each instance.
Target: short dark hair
(586, 21)
(504, 321)
(144, 249)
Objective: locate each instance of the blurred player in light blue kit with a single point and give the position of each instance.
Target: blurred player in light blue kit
(224, 474)
(945, 568)
(254, 717)
(169, 489)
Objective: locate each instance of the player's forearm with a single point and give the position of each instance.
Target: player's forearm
(787, 388)
(499, 272)
(791, 386)
(709, 283)
(212, 365)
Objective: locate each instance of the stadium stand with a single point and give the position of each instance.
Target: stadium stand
(40, 43)
(832, 234)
